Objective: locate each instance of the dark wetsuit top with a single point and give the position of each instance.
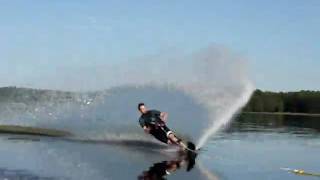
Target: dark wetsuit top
(152, 120)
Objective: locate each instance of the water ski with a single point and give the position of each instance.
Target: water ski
(190, 147)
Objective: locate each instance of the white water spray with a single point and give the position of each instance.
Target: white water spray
(227, 116)
(200, 91)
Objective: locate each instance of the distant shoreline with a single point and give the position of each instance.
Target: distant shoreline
(283, 113)
(301, 103)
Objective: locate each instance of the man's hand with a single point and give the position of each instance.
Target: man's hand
(164, 116)
(146, 129)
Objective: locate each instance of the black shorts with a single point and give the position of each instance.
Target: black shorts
(161, 133)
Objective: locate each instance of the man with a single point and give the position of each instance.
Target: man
(153, 122)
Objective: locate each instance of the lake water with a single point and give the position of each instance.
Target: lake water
(252, 147)
(257, 146)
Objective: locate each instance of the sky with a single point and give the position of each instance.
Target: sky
(40, 39)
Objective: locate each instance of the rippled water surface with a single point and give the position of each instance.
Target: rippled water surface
(252, 147)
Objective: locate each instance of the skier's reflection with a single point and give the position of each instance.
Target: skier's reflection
(160, 170)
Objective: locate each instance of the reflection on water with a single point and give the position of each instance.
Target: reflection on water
(275, 123)
(253, 147)
(259, 146)
(160, 170)
(110, 159)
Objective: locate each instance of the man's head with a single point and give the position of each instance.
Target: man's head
(142, 108)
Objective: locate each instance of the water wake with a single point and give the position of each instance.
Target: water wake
(201, 91)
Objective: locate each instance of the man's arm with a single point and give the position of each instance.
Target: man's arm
(146, 129)
(143, 125)
(164, 116)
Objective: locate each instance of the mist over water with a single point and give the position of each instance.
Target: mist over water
(200, 91)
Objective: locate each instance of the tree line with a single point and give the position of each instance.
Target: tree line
(294, 102)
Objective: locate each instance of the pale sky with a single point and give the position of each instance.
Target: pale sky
(42, 38)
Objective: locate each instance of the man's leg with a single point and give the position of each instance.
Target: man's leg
(176, 140)
(172, 138)
(160, 135)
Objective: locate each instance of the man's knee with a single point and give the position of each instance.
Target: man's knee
(170, 134)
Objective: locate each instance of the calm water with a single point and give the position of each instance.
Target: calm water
(257, 146)
(252, 147)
